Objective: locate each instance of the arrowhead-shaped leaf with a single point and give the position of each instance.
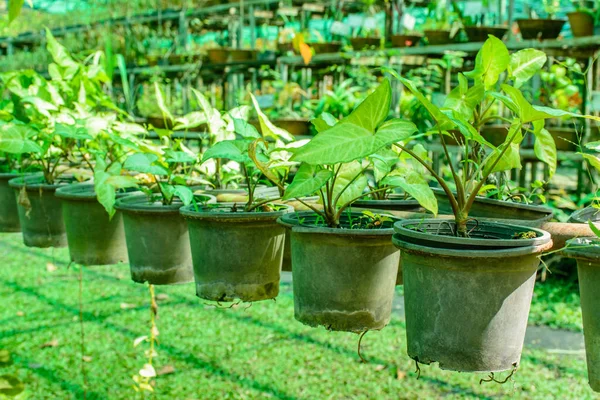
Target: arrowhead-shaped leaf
(308, 180)
(415, 185)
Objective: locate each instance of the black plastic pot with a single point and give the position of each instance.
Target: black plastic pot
(360, 43)
(286, 265)
(344, 279)
(587, 253)
(584, 215)
(500, 211)
(582, 23)
(480, 33)
(393, 203)
(93, 238)
(9, 215)
(438, 37)
(158, 244)
(325, 48)
(236, 255)
(540, 28)
(467, 305)
(40, 211)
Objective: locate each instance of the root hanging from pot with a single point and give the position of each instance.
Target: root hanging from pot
(418, 369)
(492, 378)
(362, 359)
(219, 305)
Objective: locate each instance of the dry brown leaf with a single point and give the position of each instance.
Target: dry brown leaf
(87, 359)
(400, 374)
(379, 367)
(125, 306)
(166, 370)
(20, 313)
(52, 343)
(50, 267)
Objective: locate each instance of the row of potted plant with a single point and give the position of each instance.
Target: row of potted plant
(345, 261)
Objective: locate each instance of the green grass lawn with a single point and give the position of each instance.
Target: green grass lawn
(255, 353)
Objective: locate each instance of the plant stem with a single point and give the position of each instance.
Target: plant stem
(485, 174)
(250, 188)
(460, 193)
(339, 213)
(82, 333)
(451, 198)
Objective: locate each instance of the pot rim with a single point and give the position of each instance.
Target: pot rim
(23, 182)
(541, 19)
(85, 191)
(337, 231)
(588, 253)
(507, 204)
(484, 244)
(469, 253)
(139, 204)
(207, 213)
(581, 216)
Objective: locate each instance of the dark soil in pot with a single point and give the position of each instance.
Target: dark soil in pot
(467, 307)
(582, 23)
(236, 255)
(158, 244)
(480, 33)
(295, 126)
(9, 215)
(587, 253)
(367, 43)
(438, 37)
(344, 279)
(93, 238)
(405, 40)
(501, 211)
(40, 211)
(540, 28)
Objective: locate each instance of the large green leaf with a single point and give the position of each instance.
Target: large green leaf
(184, 193)
(324, 122)
(40, 105)
(492, 60)
(438, 116)
(160, 102)
(593, 160)
(61, 56)
(178, 157)
(374, 109)
(245, 129)
(71, 131)
(10, 386)
(145, 163)
(524, 64)
(350, 183)
(189, 121)
(413, 183)
(545, 147)
(510, 159)
(463, 101)
(236, 150)
(14, 9)
(267, 128)
(15, 139)
(383, 162)
(308, 180)
(347, 142)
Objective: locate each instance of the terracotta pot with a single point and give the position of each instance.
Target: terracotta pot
(582, 23)
(405, 40)
(540, 28)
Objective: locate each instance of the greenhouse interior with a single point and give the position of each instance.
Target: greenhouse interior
(282, 199)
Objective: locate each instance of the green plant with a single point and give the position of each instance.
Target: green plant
(47, 119)
(332, 162)
(250, 150)
(466, 109)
